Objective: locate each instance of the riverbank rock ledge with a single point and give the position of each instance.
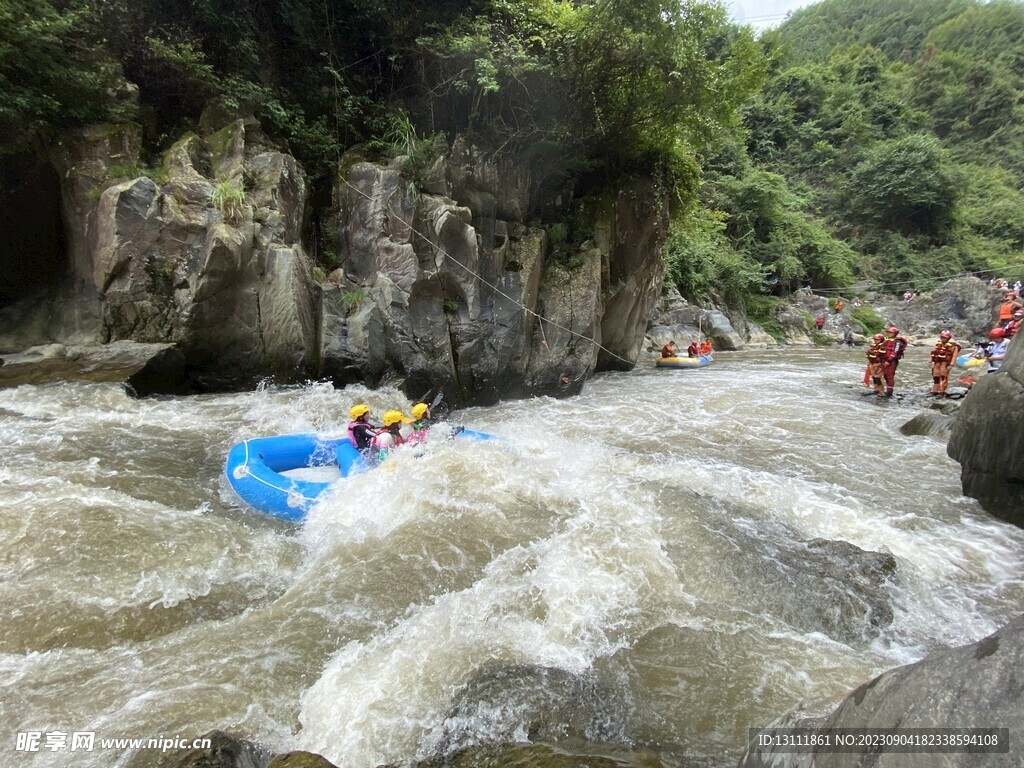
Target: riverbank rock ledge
(974, 686)
(988, 439)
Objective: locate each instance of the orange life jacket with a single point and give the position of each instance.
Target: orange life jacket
(876, 352)
(945, 352)
(895, 347)
(1007, 309)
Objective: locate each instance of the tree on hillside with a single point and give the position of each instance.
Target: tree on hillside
(906, 185)
(55, 71)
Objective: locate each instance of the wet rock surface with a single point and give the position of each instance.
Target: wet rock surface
(977, 685)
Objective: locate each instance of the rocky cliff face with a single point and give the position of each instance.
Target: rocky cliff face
(209, 259)
(456, 297)
(449, 284)
(988, 441)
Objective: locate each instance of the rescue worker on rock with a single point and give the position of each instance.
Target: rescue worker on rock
(1014, 325)
(360, 430)
(875, 354)
(894, 347)
(1010, 305)
(669, 350)
(996, 353)
(389, 436)
(694, 349)
(942, 358)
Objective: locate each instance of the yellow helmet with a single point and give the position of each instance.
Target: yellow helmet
(418, 410)
(392, 417)
(358, 410)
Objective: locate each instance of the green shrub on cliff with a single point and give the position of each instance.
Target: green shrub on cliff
(229, 199)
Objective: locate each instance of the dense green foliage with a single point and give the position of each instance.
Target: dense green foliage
(597, 89)
(878, 139)
(886, 146)
(911, 147)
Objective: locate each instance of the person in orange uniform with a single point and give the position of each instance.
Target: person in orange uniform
(705, 347)
(669, 350)
(894, 346)
(942, 359)
(875, 354)
(1010, 305)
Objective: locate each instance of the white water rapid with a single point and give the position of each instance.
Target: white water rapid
(661, 562)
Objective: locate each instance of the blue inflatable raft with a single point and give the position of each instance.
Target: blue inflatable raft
(254, 470)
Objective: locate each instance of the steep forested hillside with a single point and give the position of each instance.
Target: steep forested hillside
(888, 143)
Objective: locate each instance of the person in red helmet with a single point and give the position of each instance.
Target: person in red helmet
(893, 347)
(875, 354)
(942, 358)
(997, 352)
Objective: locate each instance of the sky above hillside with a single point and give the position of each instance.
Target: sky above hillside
(762, 14)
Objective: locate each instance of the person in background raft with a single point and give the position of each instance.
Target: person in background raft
(360, 430)
(669, 350)
(997, 351)
(942, 358)
(875, 355)
(694, 349)
(894, 346)
(390, 436)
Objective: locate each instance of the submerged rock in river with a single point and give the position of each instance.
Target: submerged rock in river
(522, 701)
(974, 686)
(832, 587)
